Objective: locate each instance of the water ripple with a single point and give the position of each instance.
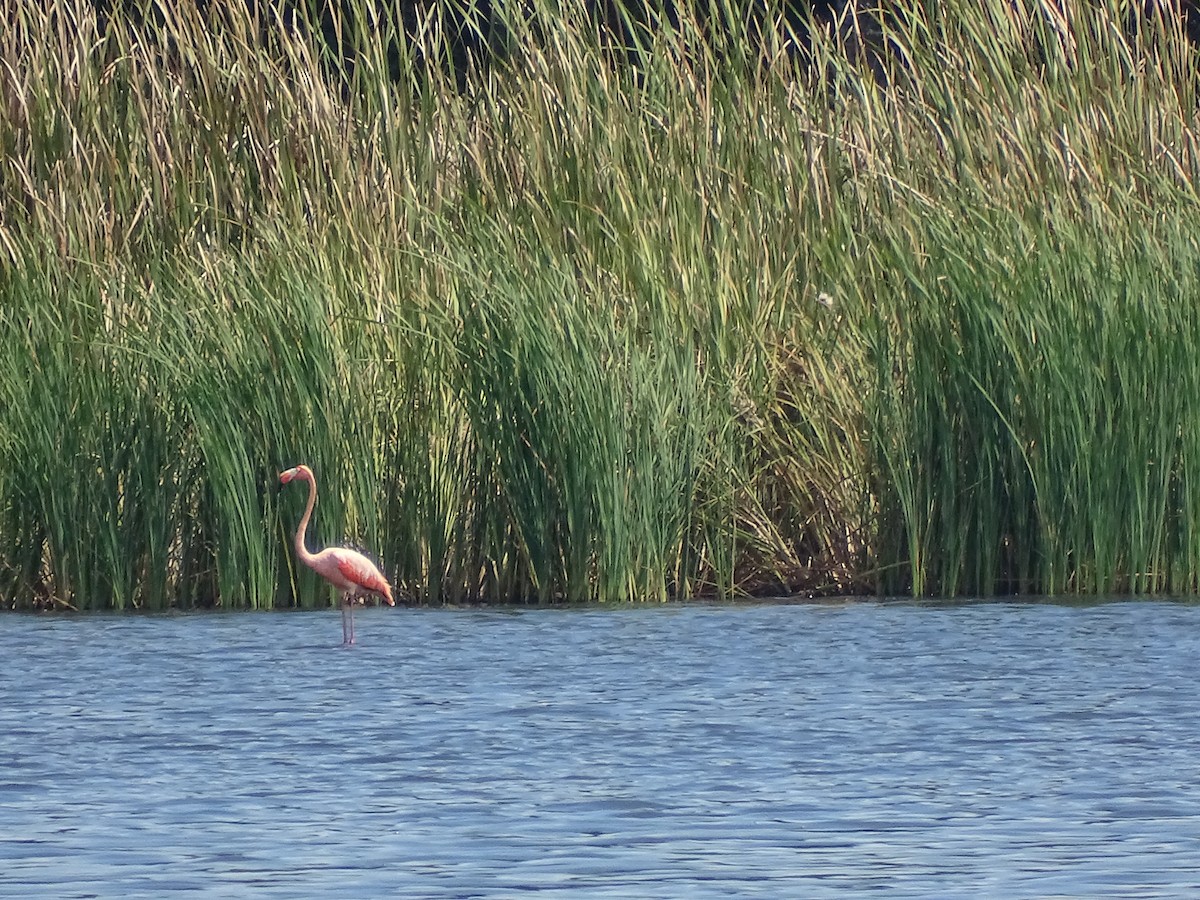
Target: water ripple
(769, 750)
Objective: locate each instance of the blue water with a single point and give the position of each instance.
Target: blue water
(702, 751)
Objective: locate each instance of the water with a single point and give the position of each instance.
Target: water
(701, 751)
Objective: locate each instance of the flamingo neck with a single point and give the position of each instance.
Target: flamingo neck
(301, 551)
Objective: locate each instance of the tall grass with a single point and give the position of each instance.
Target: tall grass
(707, 316)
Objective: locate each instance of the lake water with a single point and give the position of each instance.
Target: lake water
(989, 749)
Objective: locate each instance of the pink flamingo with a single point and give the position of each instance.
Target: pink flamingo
(347, 570)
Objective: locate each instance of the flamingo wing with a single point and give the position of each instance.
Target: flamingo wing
(359, 570)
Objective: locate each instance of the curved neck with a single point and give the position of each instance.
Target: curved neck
(302, 551)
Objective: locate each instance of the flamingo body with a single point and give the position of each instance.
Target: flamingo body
(349, 571)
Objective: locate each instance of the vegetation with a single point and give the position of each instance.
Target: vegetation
(706, 316)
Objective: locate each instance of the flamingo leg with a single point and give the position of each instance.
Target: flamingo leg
(348, 617)
(347, 623)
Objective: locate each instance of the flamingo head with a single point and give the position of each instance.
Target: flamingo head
(304, 473)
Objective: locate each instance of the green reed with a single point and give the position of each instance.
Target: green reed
(688, 317)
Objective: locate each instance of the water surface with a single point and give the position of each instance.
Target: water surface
(701, 751)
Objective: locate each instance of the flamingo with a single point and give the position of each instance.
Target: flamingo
(347, 570)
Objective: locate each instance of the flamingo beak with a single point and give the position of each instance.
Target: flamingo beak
(285, 477)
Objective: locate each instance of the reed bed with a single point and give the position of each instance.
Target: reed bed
(715, 311)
